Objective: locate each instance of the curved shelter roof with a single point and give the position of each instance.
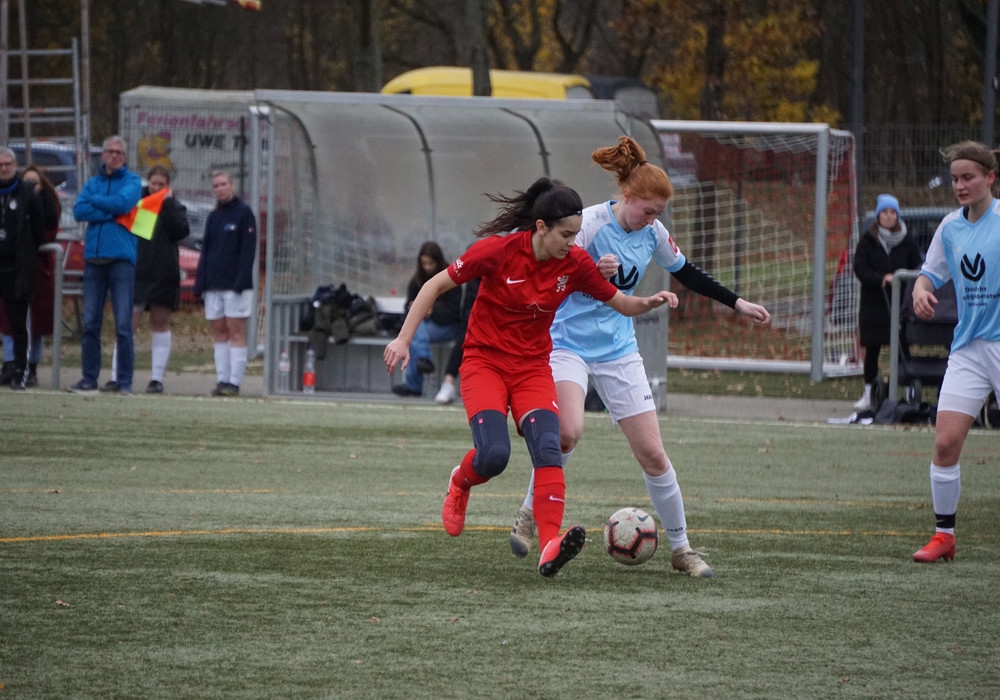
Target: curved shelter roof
(348, 185)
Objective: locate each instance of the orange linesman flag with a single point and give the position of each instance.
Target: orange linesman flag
(142, 218)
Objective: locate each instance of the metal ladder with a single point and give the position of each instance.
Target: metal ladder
(60, 120)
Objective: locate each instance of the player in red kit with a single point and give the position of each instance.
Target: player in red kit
(525, 275)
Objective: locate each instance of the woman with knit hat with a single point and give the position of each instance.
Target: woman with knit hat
(883, 249)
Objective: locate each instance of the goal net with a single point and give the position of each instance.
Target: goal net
(768, 210)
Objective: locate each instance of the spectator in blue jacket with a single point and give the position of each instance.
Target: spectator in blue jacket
(109, 253)
(225, 279)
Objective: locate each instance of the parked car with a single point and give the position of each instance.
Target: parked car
(188, 258)
(73, 267)
(58, 161)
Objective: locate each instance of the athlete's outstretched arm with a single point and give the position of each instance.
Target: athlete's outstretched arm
(700, 282)
(399, 348)
(634, 306)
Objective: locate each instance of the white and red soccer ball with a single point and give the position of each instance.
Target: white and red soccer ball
(631, 536)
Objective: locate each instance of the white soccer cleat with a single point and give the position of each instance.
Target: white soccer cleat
(523, 532)
(689, 561)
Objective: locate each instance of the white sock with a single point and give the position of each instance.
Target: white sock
(946, 484)
(161, 354)
(237, 365)
(114, 364)
(665, 493)
(222, 361)
(529, 499)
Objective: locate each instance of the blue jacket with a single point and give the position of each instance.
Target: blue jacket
(103, 198)
(227, 249)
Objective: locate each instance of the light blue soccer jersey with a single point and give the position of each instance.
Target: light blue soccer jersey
(589, 328)
(969, 254)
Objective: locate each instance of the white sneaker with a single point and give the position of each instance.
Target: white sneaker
(446, 394)
(865, 402)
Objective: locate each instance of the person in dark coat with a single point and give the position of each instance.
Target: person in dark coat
(40, 313)
(442, 324)
(158, 276)
(225, 278)
(883, 249)
(21, 232)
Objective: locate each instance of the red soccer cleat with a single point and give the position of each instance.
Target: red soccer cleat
(560, 550)
(453, 510)
(941, 546)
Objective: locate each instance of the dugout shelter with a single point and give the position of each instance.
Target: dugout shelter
(346, 186)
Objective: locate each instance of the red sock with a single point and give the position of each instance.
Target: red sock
(549, 503)
(465, 478)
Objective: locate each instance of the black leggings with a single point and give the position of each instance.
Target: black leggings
(871, 362)
(17, 318)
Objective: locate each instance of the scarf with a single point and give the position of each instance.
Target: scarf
(9, 188)
(889, 239)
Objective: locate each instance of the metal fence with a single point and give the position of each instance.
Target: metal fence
(906, 160)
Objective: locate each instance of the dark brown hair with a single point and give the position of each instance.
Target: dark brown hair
(46, 185)
(433, 251)
(546, 200)
(159, 170)
(977, 152)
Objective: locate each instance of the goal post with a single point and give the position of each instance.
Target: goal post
(769, 209)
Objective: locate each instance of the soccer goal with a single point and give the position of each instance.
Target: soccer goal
(769, 210)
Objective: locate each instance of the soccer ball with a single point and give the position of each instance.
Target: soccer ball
(630, 536)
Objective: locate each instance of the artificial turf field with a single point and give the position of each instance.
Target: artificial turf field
(169, 547)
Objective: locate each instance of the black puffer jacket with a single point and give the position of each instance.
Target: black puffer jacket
(871, 265)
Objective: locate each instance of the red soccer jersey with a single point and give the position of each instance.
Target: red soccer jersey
(519, 295)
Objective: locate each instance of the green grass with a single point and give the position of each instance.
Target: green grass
(173, 547)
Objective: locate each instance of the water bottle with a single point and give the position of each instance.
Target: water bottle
(309, 372)
(284, 372)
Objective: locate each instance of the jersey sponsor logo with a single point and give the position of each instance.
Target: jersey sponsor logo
(673, 246)
(973, 269)
(510, 281)
(625, 281)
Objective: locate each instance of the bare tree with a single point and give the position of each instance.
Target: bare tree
(479, 60)
(713, 92)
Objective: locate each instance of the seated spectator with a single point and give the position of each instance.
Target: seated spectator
(446, 394)
(441, 325)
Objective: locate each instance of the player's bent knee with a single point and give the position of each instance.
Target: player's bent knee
(491, 460)
(541, 434)
(492, 441)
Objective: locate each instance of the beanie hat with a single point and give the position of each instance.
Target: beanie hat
(886, 201)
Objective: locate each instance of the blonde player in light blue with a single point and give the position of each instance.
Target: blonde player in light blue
(965, 249)
(624, 236)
